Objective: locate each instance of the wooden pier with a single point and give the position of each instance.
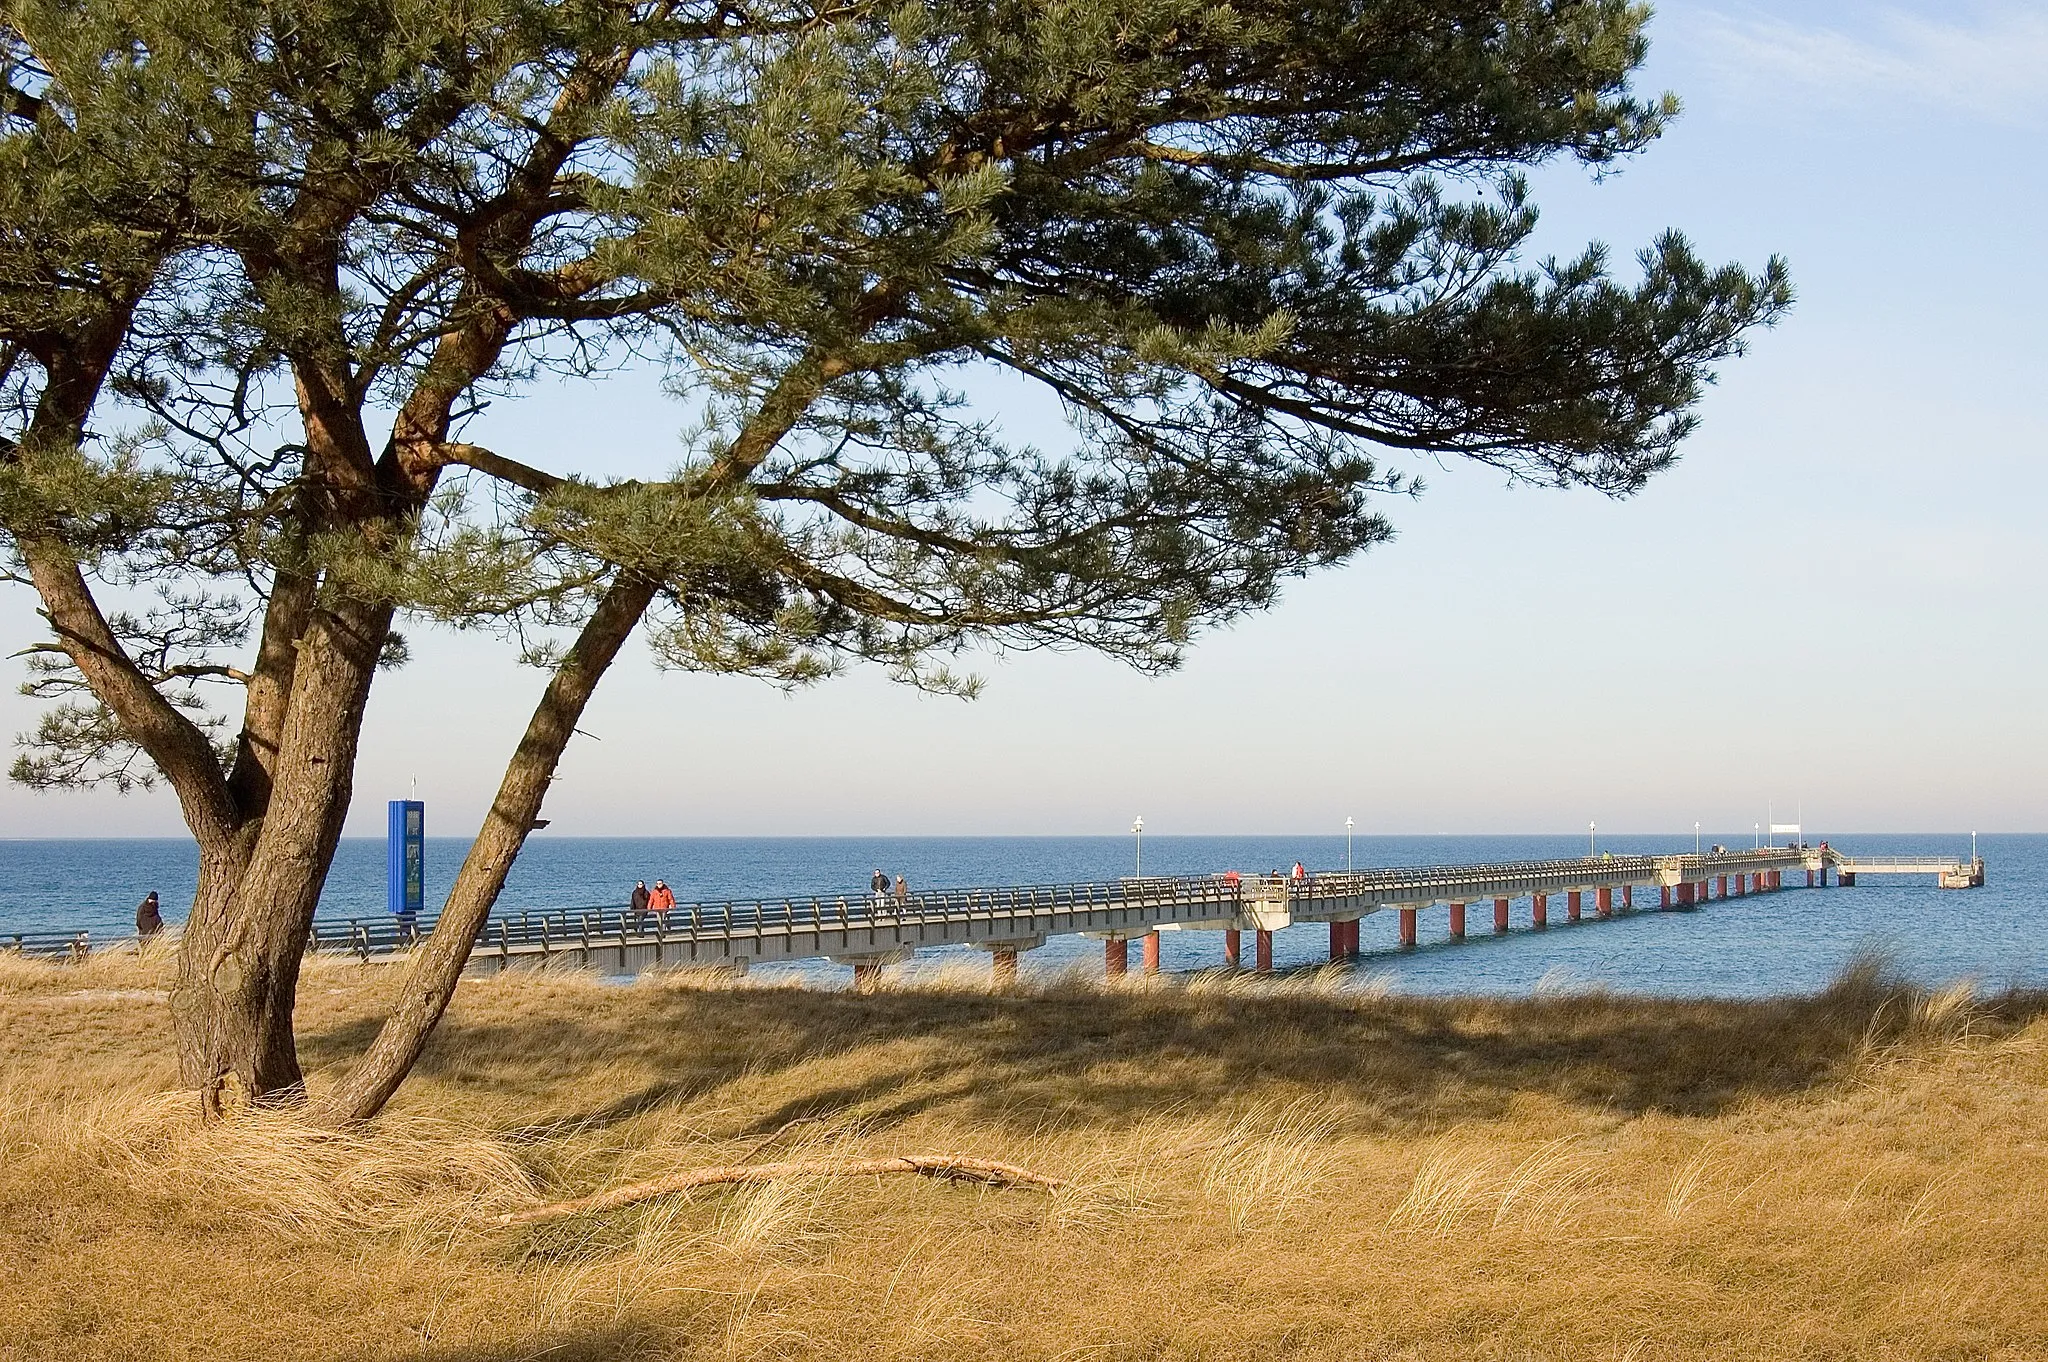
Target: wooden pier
(869, 931)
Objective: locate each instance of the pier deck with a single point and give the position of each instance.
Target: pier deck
(868, 931)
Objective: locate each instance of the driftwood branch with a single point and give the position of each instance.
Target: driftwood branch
(952, 1167)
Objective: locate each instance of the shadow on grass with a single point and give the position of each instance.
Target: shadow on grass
(1074, 1057)
(573, 1345)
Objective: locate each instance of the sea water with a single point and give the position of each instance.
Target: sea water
(1761, 945)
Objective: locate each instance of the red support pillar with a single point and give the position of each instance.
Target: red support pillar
(1809, 879)
(1685, 894)
(1336, 941)
(1232, 951)
(1663, 896)
(1720, 887)
(1003, 966)
(1539, 910)
(1264, 951)
(1116, 957)
(1351, 939)
(1571, 905)
(1500, 916)
(1603, 901)
(1742, 886)
(1846, 878)
(1407, 927)
(1457, 924)
(1151, 952)
(1628, 897)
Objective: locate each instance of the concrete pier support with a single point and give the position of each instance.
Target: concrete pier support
(1116, 957)
(1263, 951)
(1685, 894)
(1572, 903)
(1500, 916)
(1151, 952)
(1233, 952)
(1351, 939)
(1539, 910)
(1336, 941)
(1720, 886)
(1809, 879)
(1408, 928)
(1846, 878)
(1603, 901)
(1664, 897)
(1628, 898)
(1003, 967)
(1457, 925)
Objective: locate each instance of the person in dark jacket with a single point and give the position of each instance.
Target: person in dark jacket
(149, 919)
(637, 905)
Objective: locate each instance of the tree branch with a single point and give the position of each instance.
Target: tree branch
(952, 1167)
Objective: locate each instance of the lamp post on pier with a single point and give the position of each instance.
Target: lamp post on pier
(1347, 845)
(1756, 836)
(1591, 828)
(1138, 831)
(1695, 836)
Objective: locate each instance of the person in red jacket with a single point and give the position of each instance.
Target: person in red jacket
(661, 900)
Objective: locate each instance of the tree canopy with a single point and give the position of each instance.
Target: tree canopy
(261, 265)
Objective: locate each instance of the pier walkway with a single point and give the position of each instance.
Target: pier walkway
(1950, 872)
(870, 931)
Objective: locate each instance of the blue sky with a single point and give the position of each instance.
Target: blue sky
(1832, 603)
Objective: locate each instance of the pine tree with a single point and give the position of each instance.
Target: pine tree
(259, 265)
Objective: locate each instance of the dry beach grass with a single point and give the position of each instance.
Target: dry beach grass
(1282, 1169)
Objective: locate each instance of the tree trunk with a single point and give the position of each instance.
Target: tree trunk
(238, 969)
(232, 1003)
(438, 963)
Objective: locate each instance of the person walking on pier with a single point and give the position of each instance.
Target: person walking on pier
(636, 906)
(661, 900)
(878, 885)
(1300, 872)
(149, 918)
(902, 893)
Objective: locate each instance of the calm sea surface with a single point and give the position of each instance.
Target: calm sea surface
(1781, 943)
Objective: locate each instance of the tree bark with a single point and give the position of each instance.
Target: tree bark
(437, 965)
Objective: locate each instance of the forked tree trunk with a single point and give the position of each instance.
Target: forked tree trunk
(437, 965)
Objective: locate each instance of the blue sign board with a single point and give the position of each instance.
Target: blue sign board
(406, 855)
